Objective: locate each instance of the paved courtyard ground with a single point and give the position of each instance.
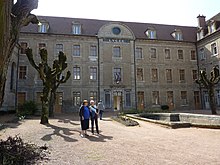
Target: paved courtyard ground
(147, 144)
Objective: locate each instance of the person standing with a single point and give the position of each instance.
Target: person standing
(94, 116)
(101, 108)
(84, 115)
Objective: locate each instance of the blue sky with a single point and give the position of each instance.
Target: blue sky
(177, 12)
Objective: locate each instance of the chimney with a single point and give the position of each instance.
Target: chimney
(201, 21)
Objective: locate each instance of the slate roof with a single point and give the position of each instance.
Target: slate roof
(90, 27)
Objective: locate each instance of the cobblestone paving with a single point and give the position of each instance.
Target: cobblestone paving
(118, 145)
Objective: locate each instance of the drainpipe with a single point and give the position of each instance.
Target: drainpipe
(98, 68)
(135, 78)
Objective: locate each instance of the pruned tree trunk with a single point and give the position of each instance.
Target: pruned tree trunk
(12, 18)
(52, 104)
(212, 100)
(5, 10)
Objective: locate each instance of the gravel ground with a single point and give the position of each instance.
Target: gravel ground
(117, 145)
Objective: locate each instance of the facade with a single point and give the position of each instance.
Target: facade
(127, 65)
(208, 47)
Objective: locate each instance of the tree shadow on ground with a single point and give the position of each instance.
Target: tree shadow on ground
(58, 132)
(9, 121)
(99, 138)
(68, 121)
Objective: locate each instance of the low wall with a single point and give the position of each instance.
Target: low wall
(195, 120)
(200, 120)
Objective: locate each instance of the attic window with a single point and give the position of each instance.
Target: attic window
(43, 26)
(76, 28)
(151, 33)
(177, 35)
(212, 27)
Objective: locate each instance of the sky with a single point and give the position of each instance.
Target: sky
(173, 12)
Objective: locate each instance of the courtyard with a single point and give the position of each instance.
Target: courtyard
(117, 144)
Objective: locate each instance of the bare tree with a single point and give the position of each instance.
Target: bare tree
(209, 84)
(12, 18)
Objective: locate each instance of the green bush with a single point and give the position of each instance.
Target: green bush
(28, 108)
(164, 107)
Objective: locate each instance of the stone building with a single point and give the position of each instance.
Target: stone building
(127, 65)
(208, 47)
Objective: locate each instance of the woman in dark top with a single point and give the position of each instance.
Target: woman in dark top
(84, 114)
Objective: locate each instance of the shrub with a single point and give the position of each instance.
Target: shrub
(28, 108)
(164, 107)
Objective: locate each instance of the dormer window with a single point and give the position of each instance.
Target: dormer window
(43, 26)
(212, 27)
(151, 33)
(177, 35)
(76, 28)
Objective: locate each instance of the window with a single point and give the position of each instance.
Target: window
(22, 72)
(76, 73)
(182, 74)
(93, 95)
(180, 54)
(76, 98)
(212, 28)
(107, 99)
(177, 35)
(153, 53)
(194, 74)
(169, 75)
(117, 75)
(41, 46)
(59, 48)
(93, 50)
(43, 27)
(202, 54)
(116, 51)
(214, 49)
(138, 53)
(183, 97)
(140, 75)
(167, 54)
(154, 75)
(76, 28)
(151, 33)
(23, 47)
(76, 50)
(127, 98)
(193, 55)
(93, 73)
(155, 97)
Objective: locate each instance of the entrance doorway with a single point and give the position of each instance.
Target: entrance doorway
(140, 100)
(170, 100)
(197, 100)
(117, 100)
(58, 102)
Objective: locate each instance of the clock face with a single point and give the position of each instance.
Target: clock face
(116, 30)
